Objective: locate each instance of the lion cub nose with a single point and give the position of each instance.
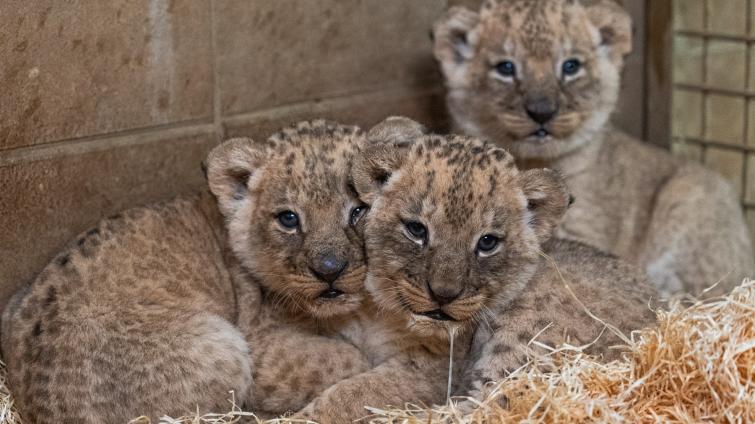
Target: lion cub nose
(541, 110)
(443, 295)
(329, 267)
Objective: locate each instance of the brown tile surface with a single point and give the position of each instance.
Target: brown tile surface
(688, 60)
(285, 51)
(688, 14)
(725, 117)
(363, 110)
(729, 163)
(687, 113)
(727, 16)
(45, 202)
(72, 69)
(727, 64)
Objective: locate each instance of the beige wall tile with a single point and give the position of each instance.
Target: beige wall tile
(729, 163)
(688, 14)
(726, 61)
(285, 51)
(750, 180)
(687, 113)
(72, 69)
(688, 60)
(727, 16)
(45, 202)
(725, 119)
(691, 151)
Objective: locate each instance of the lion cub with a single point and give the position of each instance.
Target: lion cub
(457, 239)
(541, 79)
(295, 224)
(156, 310)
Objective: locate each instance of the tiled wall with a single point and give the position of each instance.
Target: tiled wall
(713, 118)
(106, 105)
(109, 104)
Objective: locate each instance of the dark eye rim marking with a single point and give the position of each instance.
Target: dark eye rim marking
(506, 68)
(288, 219)
(416, 231)
(357, 212)
(487, 244)
(571, 67)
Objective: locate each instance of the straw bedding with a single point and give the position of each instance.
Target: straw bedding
(697, 365)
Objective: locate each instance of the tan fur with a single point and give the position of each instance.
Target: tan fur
(462, 188)
(153, 311)
(678, 221)
(304, 168)
(134, 318)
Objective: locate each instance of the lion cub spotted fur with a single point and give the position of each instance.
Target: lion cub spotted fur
(511, 77)
(432, 201)
(158, 311)
(310, 275)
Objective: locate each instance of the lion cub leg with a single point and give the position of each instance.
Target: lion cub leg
(133, 319)
(293, 366)
(100, 369)
(416, 378)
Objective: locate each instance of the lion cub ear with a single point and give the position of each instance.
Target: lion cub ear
(547, 200)
(453, 45)
(614, 25)
(231, 167)
(383, 153)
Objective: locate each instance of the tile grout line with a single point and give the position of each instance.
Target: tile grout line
(102, 142)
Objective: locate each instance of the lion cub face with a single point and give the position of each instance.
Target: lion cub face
(539, 77)
(453, 226)
(292, 217)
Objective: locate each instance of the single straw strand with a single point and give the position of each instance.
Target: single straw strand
(451, 336)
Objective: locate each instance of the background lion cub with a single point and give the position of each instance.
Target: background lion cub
(457, 238)
(541, 79)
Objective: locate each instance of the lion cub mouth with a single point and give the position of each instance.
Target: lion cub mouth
(541, 134)
(438, 315)
(330, 294)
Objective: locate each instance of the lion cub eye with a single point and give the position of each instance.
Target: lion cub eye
(356, 214)
(288, 219)
(506, 69)
(416, 232)
(571, 67)
(487, 244)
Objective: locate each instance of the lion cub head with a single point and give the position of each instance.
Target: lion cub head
(292, 217)
(453, 226)
(539, 77)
